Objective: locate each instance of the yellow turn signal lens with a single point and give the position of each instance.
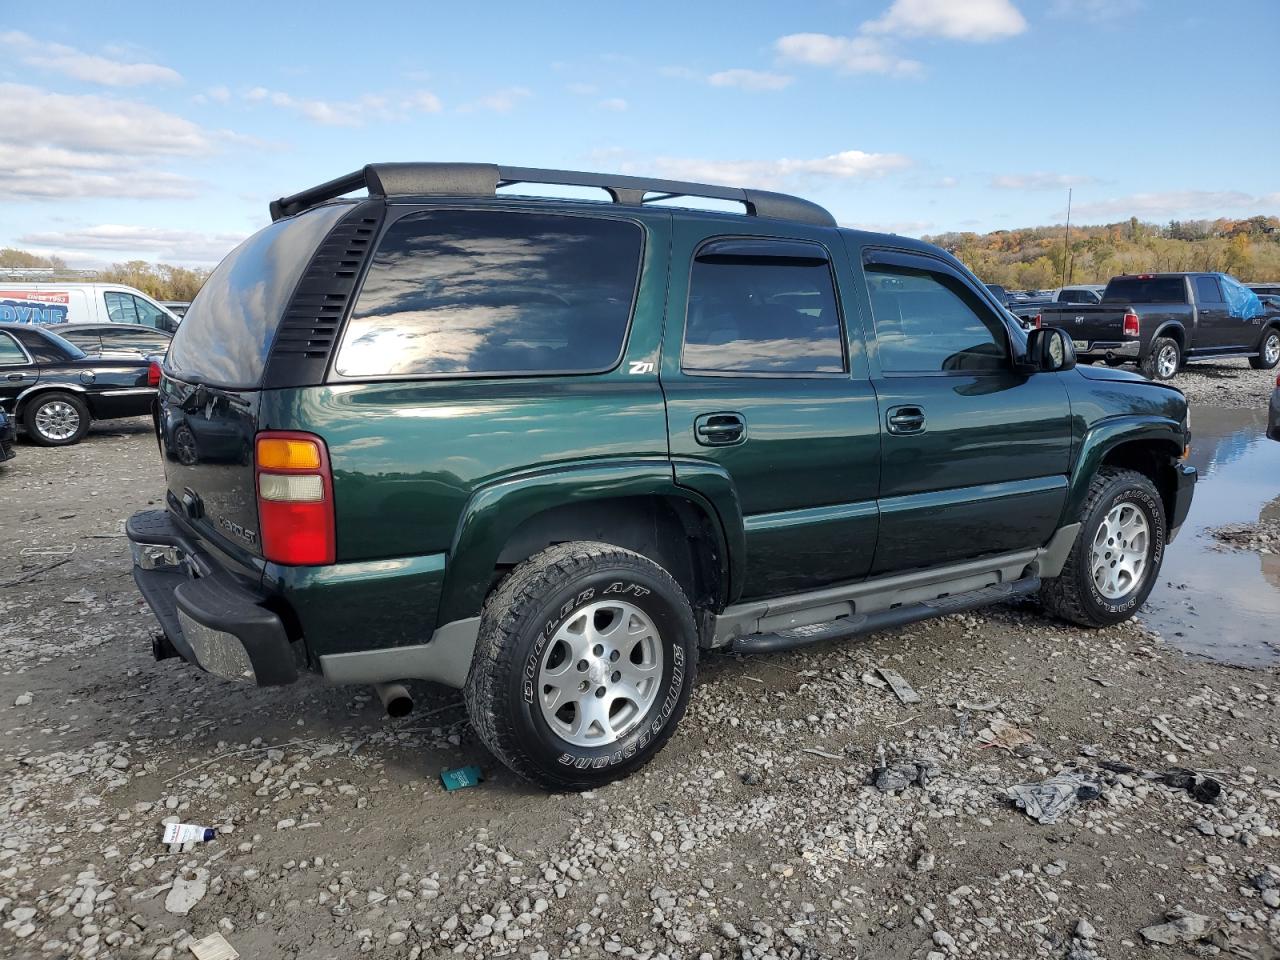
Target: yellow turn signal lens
(277, 453)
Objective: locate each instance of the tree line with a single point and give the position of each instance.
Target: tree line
(1029, 258)
(161, 281)
(1040, 258)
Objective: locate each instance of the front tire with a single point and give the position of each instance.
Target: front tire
(583, 666)
(1163, 360)
(56, 419)
(1268, 351)
(1116, 557)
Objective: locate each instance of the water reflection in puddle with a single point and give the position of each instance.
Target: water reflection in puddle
(1216, 603)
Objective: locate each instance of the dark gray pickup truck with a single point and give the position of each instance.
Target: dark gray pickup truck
(1161, 321)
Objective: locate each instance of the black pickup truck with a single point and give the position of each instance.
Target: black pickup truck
(1162, 320)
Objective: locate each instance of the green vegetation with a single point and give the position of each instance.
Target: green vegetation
(1032, 258)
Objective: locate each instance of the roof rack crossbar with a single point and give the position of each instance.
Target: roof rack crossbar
(484, 179)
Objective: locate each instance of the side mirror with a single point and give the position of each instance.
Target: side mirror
(1050, 350)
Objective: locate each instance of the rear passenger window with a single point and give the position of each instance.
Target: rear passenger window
(10, 352)
(1207, 290)
(927, 322)
(455, 292)
(761, 306)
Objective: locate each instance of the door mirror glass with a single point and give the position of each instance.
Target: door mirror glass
(1050, 350)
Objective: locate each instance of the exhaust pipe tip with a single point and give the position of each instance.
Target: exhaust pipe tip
(395, 699)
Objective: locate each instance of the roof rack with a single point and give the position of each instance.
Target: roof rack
(484, 179)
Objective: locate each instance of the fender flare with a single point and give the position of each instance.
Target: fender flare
(494, 512)
(1170, 325)
(1104, 437)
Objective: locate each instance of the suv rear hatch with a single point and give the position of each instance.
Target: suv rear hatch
(215, 371)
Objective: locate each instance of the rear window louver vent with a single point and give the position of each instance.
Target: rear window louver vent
(309, 328)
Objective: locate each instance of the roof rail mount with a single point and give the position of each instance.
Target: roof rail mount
(484, 179)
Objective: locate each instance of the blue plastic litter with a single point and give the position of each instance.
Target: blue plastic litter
(461, 777)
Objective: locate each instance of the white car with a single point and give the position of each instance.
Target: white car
(51, 302)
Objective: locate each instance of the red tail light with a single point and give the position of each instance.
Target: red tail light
(1036, 320)
(295, 498)
(153, 374)
(1131, 324)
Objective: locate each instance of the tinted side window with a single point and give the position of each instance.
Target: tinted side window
(47, 347)
(927, 321)
(10, 352)
(1207, 290)
(120, 307)
(492, 292)
(762, 315)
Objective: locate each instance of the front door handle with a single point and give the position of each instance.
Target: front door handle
(720, 429)
(905, 419)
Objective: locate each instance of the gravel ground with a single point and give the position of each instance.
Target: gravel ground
(1226, 383)
(754, 834)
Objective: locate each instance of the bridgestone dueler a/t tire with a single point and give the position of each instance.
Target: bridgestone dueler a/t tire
(519, 620)
(1072, 595)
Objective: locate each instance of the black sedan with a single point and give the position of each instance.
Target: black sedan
(114, 339)
(55, 390)
(8, 434)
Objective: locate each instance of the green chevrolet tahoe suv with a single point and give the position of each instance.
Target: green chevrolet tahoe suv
(549, 450)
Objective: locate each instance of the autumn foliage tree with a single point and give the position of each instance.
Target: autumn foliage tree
(1037, 258)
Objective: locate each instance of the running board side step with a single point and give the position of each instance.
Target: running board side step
(883, 619)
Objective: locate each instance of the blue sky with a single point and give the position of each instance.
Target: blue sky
(161, 131)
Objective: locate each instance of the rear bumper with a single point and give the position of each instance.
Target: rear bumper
(209, 617)
(1111, 350)
(1184, 489)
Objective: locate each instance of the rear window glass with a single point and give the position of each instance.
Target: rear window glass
(226, 334)
(1146, 290)
(471, 292)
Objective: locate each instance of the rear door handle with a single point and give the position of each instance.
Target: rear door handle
(905, 419)
(720, 429)
(16, 376)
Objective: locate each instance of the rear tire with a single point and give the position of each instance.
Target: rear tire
(1163, 360)
(1268, 351)
(577, 625)
(56, 419)
(1116, 557)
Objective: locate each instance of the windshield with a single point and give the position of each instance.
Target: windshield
(1146, 290)
(227, 332)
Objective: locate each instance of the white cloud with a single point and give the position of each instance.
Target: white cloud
(1171, 204)
(614, 104)
(371, 107)
(1039, 181)
(582, 89)
(847, 165)
(69, 61)
(973, 20)
(500, 101)
(749, 79)
(59, 146)
(845, 54)
(125, 242)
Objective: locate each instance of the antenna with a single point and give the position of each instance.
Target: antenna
(1066, 241)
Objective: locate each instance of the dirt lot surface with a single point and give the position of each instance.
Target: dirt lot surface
(754, 834)
(1226, 383)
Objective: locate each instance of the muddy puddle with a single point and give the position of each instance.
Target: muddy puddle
(1209, 601)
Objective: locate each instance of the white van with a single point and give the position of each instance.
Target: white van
(50, 302)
